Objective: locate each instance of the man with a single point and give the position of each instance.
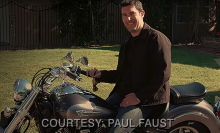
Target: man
(143, 71)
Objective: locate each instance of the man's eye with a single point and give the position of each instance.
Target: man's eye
(132, 13)
(123, 15)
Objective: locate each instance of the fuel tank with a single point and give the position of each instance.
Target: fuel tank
(74, 102)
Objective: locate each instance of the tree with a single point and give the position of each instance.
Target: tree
(76, 19)
(89, 25)
(196, 11)
(159, 14)
(194, 38)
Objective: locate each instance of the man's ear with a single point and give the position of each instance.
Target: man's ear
(142, 14)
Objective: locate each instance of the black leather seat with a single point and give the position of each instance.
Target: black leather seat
(189, 93)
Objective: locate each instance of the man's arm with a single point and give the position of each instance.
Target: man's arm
(108, 76)
(102, 76)
(111, 76)
(161, 68)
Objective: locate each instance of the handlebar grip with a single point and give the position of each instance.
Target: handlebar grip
(84, 73)
(73, 76)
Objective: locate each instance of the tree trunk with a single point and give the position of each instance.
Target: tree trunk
(92, 19)
(194, 38)
(217, 16)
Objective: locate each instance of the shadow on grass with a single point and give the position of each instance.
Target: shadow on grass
(210, 96)
(111, 48)
(182, 56)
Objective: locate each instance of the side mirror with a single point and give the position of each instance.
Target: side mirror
(69, 57)
(84, 60)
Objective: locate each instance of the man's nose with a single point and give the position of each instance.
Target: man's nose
(128, 18)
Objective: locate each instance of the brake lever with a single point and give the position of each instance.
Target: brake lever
(94, 82)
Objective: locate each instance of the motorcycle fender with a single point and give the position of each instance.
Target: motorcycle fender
(202, 112)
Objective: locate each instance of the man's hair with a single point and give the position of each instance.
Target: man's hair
(136, 3)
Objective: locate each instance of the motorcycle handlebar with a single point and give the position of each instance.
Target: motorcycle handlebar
(73, 76)
(84, 73)
(78, 70)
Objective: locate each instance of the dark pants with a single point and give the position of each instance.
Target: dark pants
(130, 115)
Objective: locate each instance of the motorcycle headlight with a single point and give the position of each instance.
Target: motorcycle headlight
(21, 89)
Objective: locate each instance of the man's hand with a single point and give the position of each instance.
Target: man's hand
(129, 100)
(94, 73)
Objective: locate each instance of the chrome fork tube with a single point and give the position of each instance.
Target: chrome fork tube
(23, 110)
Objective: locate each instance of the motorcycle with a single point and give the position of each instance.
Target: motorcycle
(64, 108)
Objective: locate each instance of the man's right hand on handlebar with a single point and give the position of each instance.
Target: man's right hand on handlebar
(94, 73)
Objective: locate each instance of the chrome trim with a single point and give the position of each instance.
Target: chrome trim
(84, 60)
(22, 110)
(82, 113)
(189, 113)
(58, 72)
(70, 57)
(87, 110)
(68, 88)
(21, 89)
(8, 112)
(217, 105)
(49, 83)
(185, 129)
(217, 109)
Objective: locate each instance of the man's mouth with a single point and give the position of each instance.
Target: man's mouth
(130, 23)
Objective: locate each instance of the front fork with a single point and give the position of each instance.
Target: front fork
(21, 112)
(5, 121)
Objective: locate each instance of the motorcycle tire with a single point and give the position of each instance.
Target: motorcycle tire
(189, 127)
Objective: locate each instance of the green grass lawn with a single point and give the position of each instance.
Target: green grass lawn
(187, 66)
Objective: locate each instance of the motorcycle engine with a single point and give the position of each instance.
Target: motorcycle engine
(6, 116)
(102, 129)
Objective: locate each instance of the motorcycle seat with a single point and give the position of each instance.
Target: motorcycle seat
(189, 93)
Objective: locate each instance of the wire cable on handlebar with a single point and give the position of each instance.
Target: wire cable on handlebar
(36, 74)
(41, 82)
(38, 78)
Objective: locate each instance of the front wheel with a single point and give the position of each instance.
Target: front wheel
(189, 127)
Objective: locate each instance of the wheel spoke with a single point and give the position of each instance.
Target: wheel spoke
(181, 130)
(184, 129)
(187, 131)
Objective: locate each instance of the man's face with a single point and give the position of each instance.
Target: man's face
(132, 18)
